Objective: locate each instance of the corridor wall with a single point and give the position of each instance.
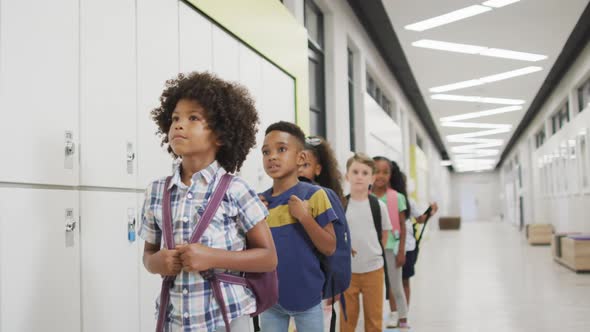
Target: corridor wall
(551, 176)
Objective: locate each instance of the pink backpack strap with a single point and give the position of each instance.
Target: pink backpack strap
(393, 210)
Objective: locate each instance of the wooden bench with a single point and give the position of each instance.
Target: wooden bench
(539, 234)
(448, 223)
(572, 251)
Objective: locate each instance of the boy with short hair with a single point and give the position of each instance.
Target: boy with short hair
(300, 219)
(368, 240)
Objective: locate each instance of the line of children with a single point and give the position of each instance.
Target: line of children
(210, 125)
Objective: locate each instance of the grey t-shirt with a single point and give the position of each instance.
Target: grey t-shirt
(364, 236)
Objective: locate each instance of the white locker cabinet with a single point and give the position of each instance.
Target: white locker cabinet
(149, 284)
(108, 93)
(39, 91)
(157, 61)
(110, 262)
(40, 272)
(225, 55)
(251, 78)
(278, 95)
(195, 40)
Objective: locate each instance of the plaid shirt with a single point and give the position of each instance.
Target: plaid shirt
(192, 305)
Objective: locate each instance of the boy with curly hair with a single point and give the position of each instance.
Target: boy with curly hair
(210, 125)
(300, 219)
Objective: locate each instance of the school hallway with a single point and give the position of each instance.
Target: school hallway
(486, 277)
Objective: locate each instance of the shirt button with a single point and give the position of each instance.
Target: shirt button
(185, 219)
(185, 291)
(189, 196)
(186, 315)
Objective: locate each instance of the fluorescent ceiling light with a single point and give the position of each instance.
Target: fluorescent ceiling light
(499, 3)
(446, 163)
(507, 54)
(477, 99)
(475, 125)
(475, 49)
(456, 86)
(474, 115)
(486, 79)
(448, 18)
(451, 47)
(510, 74)
(458, 137)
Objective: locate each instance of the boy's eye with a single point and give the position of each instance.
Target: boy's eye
(174, 118)
(282, 149)
(193, 118)
(306, 165)
(264, 152)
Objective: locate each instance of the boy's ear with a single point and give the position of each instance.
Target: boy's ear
(301, 157)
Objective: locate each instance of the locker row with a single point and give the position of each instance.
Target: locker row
(76, 94)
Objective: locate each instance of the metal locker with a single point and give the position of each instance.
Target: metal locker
(195, 40)
(157, 61)
(39, 92)
(40, 255)
(108, 93)
(149, 284)
(109, 261)
(251, 78)
(225, 55)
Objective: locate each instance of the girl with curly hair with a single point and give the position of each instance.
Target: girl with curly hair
(210, 126)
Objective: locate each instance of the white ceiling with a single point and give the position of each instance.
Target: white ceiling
(532, 26)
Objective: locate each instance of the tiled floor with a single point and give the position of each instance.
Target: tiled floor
(485, 277)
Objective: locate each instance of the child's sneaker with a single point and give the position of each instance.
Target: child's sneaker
(391, 320)
(403, 326)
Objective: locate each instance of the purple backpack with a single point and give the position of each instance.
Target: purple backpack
(264, 285)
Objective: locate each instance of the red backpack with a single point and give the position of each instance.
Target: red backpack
(264, 285)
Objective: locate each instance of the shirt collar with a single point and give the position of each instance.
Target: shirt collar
(207, 174)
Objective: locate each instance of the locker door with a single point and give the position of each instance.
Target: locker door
(40, 272)
(149, 284)
(108, 93)
(195, 40)
(225, 55)
(38, 87)
(278, 95)
(109, 262)
(157, 61)
(251, 77)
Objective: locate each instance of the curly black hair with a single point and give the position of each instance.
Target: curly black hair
(397, 180)
(290, 128)
(330, 176)
(230, 114)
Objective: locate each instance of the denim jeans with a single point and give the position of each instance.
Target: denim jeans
(276, 319)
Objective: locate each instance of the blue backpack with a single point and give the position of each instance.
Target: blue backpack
(337, 268)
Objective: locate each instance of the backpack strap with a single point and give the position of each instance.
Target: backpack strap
(168, 281)
(393, 209)
(204, 222)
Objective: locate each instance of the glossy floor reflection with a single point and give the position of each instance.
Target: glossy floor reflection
(485, 277)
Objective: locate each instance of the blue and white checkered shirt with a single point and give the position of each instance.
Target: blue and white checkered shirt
(192, 305)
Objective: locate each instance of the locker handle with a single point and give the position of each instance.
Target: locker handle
(70, 148)
(70, 225)
(130, 156)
